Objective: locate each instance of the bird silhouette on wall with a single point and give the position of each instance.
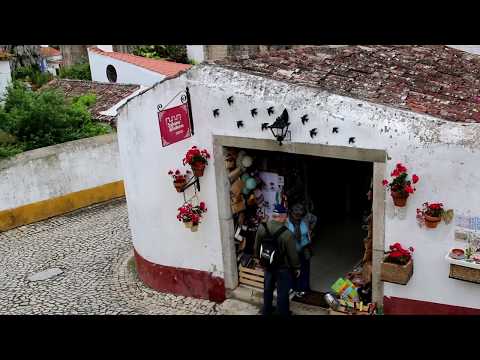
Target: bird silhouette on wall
(216, 112)
(254, 112)
(239, 124)
(264, 126)
(230, 100)
(351, 140)
(304, 119)
(313, 133)
(270, 110)
(335, 130)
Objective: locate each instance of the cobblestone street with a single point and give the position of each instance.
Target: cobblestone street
(92, 250)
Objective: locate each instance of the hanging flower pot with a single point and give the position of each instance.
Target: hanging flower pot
(179, 179)
(194, 228)
(432, 214)
(198, 168)
(197, 159)
(400, 186)
(180, 184)
(191, 215)
(188, 224)
(399, 199)
(432, 221)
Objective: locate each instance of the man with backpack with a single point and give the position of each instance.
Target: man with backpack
(275, 247)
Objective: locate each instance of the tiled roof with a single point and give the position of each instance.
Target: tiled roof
(49, 52)
(167, 68)
(435, 80)
(4, 55)
(108, 94)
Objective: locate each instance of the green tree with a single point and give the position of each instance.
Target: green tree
(44, 118)
(177, 53)
(80, 71)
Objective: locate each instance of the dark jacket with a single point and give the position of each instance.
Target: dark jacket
(286, 244)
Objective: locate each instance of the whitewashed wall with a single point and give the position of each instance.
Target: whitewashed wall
(5, 77)
(59, 170)
(445, 155)
(126, 73)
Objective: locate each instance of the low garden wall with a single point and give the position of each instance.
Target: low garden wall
(46, 182)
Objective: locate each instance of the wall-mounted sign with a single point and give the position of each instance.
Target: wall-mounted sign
(174, 124)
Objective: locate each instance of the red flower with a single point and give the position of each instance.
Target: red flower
(395, 173)
(409, 189)
(170, 172)
(415, 178)
(385, 182)
(177, 172)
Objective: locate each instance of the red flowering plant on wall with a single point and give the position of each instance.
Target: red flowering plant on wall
(194, 155)
(400, 182)
(432, 213)
(185, 213)
(188, 213)
(400, 186)
(399, 255)
(178, 176)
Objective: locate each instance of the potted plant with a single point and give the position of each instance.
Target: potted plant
(185, 215)
(400, 186)
(397, 266)
(432, 213)
(197, 215)
(197, 159)
(179, 179)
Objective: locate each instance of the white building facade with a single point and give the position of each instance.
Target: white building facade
(444, 154)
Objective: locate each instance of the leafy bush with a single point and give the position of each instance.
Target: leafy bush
(177, 53)
(44, 118)
(80, 71)
(32, 74)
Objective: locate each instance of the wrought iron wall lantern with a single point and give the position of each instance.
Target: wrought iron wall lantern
(279, 128)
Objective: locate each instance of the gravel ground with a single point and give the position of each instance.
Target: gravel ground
(93, 249)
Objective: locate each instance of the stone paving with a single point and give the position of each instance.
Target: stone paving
(87, 265)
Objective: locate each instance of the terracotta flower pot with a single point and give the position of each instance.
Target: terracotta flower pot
(432, 221)
(194, 228)
(399, 199)
(179, 185)
(198, 167)
(188, 224)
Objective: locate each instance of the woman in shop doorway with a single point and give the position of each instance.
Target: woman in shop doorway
(301, 230)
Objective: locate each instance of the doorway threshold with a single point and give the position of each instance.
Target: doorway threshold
(254, 296)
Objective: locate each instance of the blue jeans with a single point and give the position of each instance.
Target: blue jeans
(281, 279)
(303, 282)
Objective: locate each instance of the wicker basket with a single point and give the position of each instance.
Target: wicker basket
(465, 273)
(397, 274)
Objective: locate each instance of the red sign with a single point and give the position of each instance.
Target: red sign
(174, 124)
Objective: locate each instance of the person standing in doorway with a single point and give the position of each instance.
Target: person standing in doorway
(301, 234)
(278, 273)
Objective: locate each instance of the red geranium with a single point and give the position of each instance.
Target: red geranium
(188, 212)
(399, 255)
(400, 182)
(196, 155)
(178, 176)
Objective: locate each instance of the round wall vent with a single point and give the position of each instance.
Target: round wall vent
(111, 74)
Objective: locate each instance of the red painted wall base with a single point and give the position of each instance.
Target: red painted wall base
(179, 281)
(400, 306)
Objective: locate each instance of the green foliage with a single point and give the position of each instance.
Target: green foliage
(177, 53)
(80, 71)
(32, 75)
(44, 118)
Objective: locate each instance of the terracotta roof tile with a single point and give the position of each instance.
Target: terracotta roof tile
(436, 80)
(167, 68)
(108, 94)
(49, 52)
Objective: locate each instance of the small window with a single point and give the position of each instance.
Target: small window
(111, 74)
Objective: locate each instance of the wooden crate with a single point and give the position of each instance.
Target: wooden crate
(397, 274)
(251, 277)
(465, 273)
